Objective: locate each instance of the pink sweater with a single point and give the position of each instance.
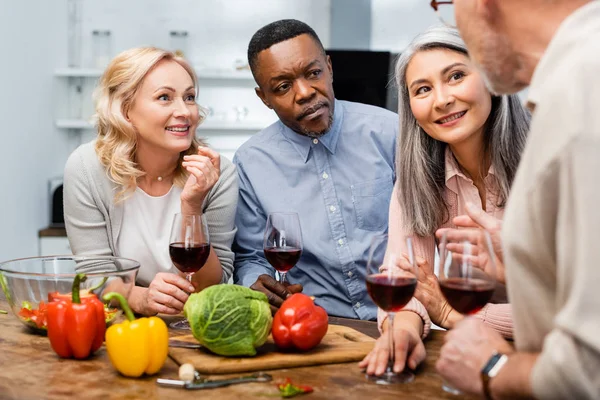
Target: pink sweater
(459, 191)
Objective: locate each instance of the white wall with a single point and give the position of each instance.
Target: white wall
(33, 42)
(394, 23)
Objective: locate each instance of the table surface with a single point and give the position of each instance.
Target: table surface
(29, 369)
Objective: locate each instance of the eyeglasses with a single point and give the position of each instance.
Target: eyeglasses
(445, 14)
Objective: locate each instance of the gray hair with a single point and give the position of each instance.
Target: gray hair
(420, 159)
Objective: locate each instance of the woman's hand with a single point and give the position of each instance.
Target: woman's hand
(166, 294)
(429, 294)
(204, 169)
(408, 346)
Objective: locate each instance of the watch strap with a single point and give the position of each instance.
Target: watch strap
(490, 370)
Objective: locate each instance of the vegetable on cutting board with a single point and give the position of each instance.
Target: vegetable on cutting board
(229, 320)
(299, 323)
(136, 346)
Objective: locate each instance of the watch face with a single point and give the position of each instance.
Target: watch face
(491, 363)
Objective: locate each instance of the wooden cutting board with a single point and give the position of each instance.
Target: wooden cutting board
(340, 345)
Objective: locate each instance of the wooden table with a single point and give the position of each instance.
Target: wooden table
(29, 369)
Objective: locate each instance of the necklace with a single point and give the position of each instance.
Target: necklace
(160, 178)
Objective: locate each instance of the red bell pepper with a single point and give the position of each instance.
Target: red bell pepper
(75, 328)
(289, 389)
(84, 295)
(299, 323)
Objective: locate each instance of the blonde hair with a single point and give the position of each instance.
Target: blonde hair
(116, 143)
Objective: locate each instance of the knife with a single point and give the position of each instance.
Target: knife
(210, 384)
(185, 345)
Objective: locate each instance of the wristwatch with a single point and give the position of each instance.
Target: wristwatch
(490, 370)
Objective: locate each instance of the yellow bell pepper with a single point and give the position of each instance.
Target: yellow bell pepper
(136, 346)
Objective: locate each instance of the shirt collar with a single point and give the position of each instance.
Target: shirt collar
(565, 39)
(329, 140)
(453, 169)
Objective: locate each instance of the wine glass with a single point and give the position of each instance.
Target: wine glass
(466, 288)
(391, 282)
(189, 247)
(283, 242)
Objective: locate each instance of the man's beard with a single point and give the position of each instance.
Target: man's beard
(498, 64)
(313, 134)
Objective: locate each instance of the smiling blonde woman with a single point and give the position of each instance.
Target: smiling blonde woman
(122, 190)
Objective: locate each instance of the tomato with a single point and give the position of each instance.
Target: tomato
(299, 323)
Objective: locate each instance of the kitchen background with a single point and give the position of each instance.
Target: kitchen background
(50, 54)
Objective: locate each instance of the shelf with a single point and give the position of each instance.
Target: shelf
(73, 124)
(78, 72)
(248, 125)
(206, 74)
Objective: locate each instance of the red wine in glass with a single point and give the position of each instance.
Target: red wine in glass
(189, 249)
(189, 258)
(467, 296)
(282, 258)
(282, 243)
(391, 293)
(391, 281)
(464, 291)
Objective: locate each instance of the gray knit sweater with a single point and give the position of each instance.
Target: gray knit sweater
(93, 220)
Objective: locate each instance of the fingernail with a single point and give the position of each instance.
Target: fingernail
(470, 206)
(191, 289)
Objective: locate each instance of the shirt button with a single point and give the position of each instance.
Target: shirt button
(325, 176)
(315, 141)
(332, 208)
(357, 305)
(350, 274)
(341, 242)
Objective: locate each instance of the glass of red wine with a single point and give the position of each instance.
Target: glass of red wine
(283, 242)
(391, 282)
(189, 247)
(466, 288)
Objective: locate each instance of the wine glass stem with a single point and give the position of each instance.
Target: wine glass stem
(282, 277)
(391, 335)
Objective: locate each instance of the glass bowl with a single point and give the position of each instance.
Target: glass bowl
(30, 283)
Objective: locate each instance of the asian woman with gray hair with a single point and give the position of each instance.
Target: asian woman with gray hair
(459, 146)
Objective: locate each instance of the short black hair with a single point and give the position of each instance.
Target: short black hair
(277, 32)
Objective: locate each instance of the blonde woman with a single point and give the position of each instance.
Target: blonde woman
(122, 190)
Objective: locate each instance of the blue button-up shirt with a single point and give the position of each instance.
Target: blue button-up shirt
(339, 184)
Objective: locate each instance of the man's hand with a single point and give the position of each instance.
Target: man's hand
(466, 349)
(408, 346)
(471, 226)
(275, 291)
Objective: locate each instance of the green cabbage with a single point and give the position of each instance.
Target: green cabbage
(229, 320)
